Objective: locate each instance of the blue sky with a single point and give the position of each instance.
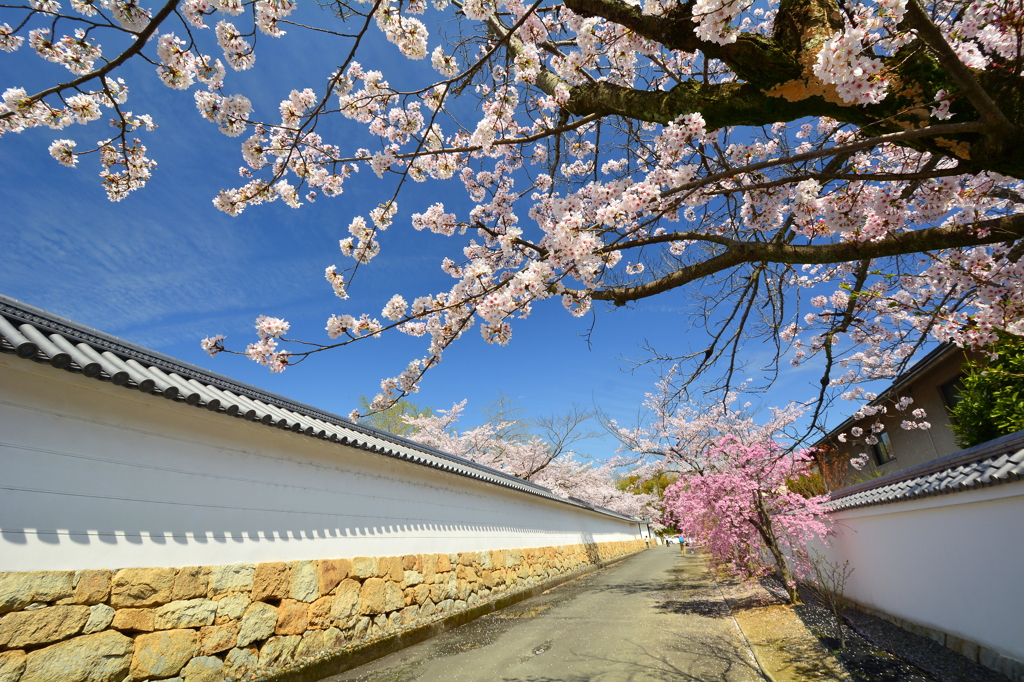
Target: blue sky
(164, 268)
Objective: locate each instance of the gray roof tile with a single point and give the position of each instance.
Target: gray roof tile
(998, 461)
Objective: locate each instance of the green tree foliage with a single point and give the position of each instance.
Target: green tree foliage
(808, 484)
(392, 419)
(992, 399)
(643, 485)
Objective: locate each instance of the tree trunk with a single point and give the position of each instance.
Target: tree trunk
(764, 527)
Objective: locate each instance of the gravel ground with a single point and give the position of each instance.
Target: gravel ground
(878, 651)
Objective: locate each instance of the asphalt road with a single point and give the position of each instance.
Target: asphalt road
(655, 616)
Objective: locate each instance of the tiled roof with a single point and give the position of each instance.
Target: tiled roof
(997, 461)
(43, 337)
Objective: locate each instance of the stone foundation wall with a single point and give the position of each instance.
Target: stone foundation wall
(242, 621)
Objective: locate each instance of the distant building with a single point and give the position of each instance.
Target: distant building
(934, 385)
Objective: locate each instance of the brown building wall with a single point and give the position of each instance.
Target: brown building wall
(916, 446)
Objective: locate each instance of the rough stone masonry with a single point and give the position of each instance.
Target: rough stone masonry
(242, 621)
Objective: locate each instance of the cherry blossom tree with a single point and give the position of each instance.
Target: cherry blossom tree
(742, 505)
(550, 463)
(840, 180)
(732, 494)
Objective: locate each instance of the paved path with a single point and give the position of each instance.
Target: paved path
(655, 616)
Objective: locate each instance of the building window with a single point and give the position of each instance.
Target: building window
(883, 449)
(952, 391)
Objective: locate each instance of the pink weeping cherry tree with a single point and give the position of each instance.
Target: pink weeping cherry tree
(838, 179)
(742, 506)
(731, 495)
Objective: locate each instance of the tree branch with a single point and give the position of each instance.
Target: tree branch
(999, 230)
(930, 34)
(140, 42)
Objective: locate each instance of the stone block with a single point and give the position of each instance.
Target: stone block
(258, 623)
(466, 573)
(163, 654)
(15, 591)
(305, 586)
(103, 657)
(391, 568)
(93, 587)
(232, 607)
(100, 617)
(204, 669)
(278, 652)
(364, 567)
(444, 563)
(380, 596)
(241, 662)
(330, 572)
(138, 587)
(410, 614)
(12, 665)
(451, 584)
(316, 642)
(41, 626)
(395, 621)
(346, 601)
(412, 578)
(214, 639)
(427, 609)
(467, 558)
(191, 582)
(320, 613)
(463, 589)
(409, 562)
(437, 592)
(421, 593)
(497, 558)
(428, 567)
(18, 590)
(362, 628)
(292, 618)
(231, 578)
(186, 613)
(271, 581)
(138, 620)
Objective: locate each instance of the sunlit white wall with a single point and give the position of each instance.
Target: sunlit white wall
(952, 563)
(97, 476)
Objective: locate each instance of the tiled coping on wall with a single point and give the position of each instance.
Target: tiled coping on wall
(257, 621)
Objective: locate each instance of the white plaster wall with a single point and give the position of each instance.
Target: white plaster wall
(98, 476)
(952, 562)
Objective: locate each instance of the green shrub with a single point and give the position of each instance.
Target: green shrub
(992, 399)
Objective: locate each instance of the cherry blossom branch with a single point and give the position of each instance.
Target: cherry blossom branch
(891, 138)
(140, 42)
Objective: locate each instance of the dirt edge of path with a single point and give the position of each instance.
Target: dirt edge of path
(784, 648)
